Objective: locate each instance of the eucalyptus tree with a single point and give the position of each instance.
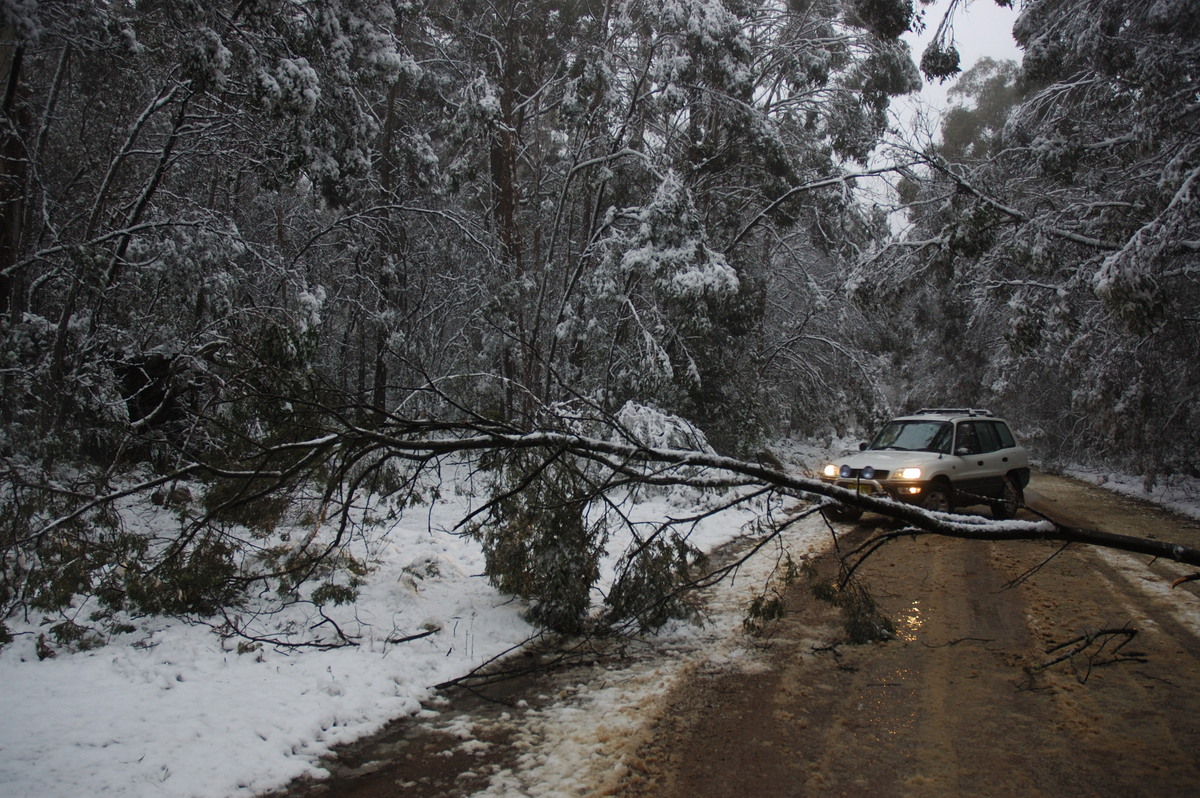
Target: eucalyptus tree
(658, 178)
(238, 226)
(194, 212)
(1066, 240)
(173, 150)
(1110, 128)
(647, 170)
(934, 329)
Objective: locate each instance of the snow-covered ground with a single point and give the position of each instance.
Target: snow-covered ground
(1177, 493)
(172, 709)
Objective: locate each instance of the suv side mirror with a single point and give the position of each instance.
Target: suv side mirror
(862, 447)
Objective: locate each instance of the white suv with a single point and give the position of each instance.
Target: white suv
(939, 458)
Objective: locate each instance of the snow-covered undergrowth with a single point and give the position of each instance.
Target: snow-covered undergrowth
(171, 708)
(176, 709)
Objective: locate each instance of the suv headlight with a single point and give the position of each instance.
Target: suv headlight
(830, 470)
(910, 473)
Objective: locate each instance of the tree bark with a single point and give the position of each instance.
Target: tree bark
(13, 176)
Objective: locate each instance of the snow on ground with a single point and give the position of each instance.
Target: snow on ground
(1178, 493)
(174, 710)
(1182, 605)
(582, 744)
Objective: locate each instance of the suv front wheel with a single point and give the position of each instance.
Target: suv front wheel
(1011, 499)
(937, 498)
(843, 512)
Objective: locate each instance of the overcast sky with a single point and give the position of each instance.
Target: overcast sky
(981, 28)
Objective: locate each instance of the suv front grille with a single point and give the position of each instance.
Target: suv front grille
(857, 473)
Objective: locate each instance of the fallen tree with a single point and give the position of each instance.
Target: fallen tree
(547, 510)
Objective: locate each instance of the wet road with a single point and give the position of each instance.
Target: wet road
(962, 703)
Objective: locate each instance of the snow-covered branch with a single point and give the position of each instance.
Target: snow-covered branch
(706, 468)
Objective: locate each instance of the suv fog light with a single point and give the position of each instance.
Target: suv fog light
(914, 490)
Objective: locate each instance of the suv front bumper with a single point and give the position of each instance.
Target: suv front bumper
(905, 491)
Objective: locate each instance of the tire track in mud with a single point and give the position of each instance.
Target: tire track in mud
(959, 704)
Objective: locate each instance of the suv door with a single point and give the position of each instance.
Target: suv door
(1012, 458)
(983, 463)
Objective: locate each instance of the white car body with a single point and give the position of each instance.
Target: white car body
(939, 459)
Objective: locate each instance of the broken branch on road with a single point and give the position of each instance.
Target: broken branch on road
(1083, 661)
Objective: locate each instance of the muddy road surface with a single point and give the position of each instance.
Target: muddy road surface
(965, 700)
(1015, 669)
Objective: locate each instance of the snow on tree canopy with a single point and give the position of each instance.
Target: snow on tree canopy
(294, 88)
(670, 248)
(658, 430)
(208, 60)
(21, 16)
(700, 35)
(310, 303)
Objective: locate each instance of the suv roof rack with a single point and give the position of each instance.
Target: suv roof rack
(962, 411)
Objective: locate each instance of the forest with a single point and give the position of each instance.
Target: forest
(265, 261)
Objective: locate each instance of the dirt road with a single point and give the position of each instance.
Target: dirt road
(960, 704)
(963, 702)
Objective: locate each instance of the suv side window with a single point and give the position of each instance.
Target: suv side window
(941, 441)
(987, 437)
(977, 437)
(968, 438)
(1007, 441)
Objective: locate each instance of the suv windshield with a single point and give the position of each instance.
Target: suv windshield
(914, 436)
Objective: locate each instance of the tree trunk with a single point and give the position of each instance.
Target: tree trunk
(13, 178)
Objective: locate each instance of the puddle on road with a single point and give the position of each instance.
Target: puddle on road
(909, 622)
